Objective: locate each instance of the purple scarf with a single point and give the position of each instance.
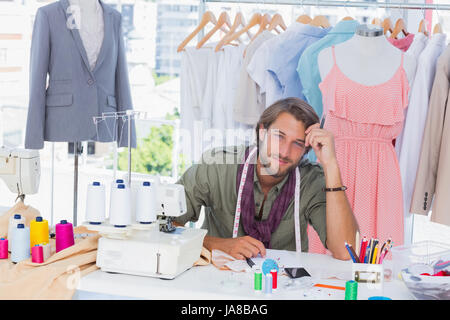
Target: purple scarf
(262, 230)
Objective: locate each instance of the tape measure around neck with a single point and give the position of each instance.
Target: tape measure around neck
(237, 214)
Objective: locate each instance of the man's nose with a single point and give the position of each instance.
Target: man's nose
(284, 150)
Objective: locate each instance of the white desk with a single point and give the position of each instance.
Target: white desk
(204, 283)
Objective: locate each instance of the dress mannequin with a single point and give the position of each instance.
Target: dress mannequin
(366, 60)
(89, 20)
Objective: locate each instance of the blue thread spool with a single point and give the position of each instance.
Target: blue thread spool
(268, 265)
(20, 246)
(268, 283)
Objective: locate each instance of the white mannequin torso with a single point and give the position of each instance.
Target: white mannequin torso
(91, 26)
(366, 60)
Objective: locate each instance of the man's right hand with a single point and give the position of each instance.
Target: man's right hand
(239, 248)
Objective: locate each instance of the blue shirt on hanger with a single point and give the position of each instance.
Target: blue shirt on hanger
(308, 68)
(284, 58)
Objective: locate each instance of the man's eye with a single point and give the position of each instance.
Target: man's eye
(300, 144)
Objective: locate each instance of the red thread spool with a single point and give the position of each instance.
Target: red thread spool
(3, 248)
(274, 278)
(37, 254)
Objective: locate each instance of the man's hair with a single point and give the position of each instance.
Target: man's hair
(298, 108)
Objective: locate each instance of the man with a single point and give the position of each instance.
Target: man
(286, 131)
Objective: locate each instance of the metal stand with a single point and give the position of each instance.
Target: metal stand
(77, 150)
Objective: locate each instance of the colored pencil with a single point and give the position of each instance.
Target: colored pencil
(362, 250)
(375, 251)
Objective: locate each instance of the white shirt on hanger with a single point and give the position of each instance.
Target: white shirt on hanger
(197, 85)
(416, 118)
(229, 66)
(419, 43)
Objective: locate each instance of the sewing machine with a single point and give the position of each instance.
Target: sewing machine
(158, 249)
(21, 170)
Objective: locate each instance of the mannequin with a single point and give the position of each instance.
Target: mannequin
(88, 16)
(366, 60)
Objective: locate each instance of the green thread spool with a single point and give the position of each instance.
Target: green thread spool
(351, 290)
(258, 280)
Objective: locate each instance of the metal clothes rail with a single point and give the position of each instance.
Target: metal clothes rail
(346, 4)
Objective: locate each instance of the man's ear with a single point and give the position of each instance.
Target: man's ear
(262, 132)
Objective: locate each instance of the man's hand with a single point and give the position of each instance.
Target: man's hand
(239, 248)
(322, 142)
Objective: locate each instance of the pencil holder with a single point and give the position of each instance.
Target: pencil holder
(370, 278)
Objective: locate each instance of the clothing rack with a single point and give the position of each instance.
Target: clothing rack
(346, 4)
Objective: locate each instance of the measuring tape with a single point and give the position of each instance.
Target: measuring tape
(237, 214)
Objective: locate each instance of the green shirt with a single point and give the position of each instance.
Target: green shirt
(212, 184)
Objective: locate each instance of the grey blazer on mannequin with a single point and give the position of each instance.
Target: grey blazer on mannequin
(64, 109)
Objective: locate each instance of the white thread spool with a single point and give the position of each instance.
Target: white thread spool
(14, 220)
(95, 203)
(120, 206)
(146, 205)
(20, 248)
(47, 251)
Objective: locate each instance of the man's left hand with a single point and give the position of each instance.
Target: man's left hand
(322, 142)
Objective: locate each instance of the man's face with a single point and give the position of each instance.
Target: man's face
(282, 145)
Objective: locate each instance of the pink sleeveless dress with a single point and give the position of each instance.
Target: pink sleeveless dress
(365, 120)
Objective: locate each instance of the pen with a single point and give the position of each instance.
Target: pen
(366, 257)
(350, 252)
(250, 262)
(354, 253)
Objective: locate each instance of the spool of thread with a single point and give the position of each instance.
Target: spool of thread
(268, 284)
(64, 235)
(258, 280)
(146, 205)
(120, 206)
(14, 220)
(3, 248)
(351, 290)
(38, 231)
(47, 249)
(37, 254)
(20, 247)
(95, 203)
(274, 274)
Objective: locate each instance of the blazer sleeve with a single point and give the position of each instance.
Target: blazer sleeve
(426, 175)
(39, 63)
(123, 93)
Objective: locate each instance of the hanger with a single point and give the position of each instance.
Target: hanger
(399, 27)
(423, 27)
(263, 25)
(239, 20)
(207, 17)
(387, 25)
(304, 18)
(277, 20)
(254, 21)
(437, 28)
(320, 21)
(224, 19)
(377, 22)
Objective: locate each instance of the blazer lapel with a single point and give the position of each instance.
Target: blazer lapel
(75, 32)
(107, 35)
